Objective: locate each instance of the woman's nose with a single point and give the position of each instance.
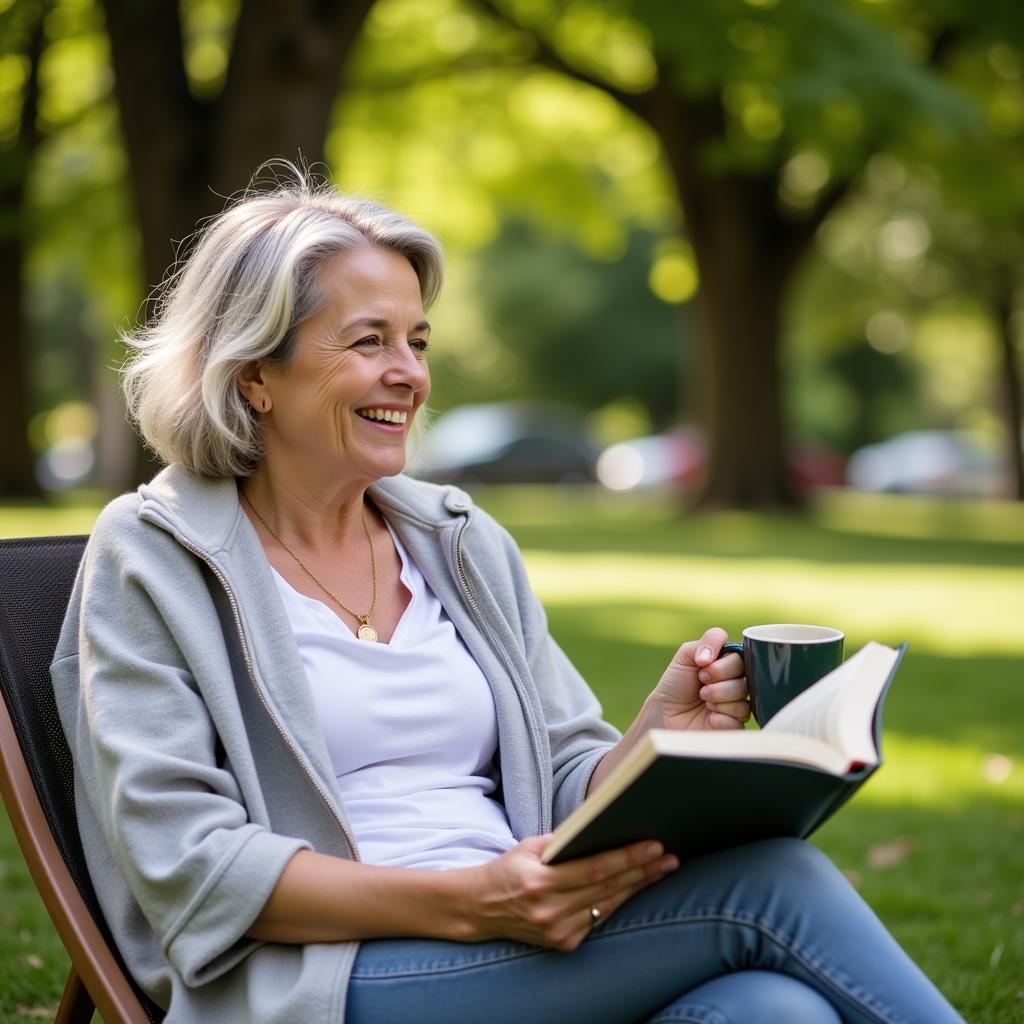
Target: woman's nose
(408, 367)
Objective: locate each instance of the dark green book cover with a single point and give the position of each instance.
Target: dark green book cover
(695, 805)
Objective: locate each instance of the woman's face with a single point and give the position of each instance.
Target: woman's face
(341, 409)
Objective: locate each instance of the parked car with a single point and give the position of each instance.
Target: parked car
(678, 458)
(675, 458)
(506, 443)
(952, 462)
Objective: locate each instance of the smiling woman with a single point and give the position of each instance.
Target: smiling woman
(321, 731)
(257, 274)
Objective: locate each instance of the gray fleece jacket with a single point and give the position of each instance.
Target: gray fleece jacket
(200, 768)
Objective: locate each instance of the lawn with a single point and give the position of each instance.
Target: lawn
(935, 841)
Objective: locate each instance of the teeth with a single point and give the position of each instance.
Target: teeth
(384, 415)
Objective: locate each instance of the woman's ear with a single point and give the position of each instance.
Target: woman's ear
(253, 387)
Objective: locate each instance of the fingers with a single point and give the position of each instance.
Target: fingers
(612, 891)
(517, 897)
(604, 869)
(729, 689)
(729, 716)
(729, 667)
(629, 884)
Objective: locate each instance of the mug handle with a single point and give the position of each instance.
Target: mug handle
(732, 648)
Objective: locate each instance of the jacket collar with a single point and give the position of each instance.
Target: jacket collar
(206, 510)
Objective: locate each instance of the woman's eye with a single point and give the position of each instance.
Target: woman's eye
(420, 344)
(372, 340)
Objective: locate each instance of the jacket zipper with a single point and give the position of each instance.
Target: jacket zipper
(263, 700)
(498, 649)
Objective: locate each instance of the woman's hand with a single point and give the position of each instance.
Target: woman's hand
(515, 896)
(700, 690)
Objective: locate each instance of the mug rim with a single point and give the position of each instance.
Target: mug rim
(825, 634)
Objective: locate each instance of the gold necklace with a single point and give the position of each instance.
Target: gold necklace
(365, 631)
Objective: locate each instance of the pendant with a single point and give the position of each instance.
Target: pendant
(366, 631)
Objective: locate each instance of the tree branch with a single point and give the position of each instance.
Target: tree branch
(548, 56)
(439, 70)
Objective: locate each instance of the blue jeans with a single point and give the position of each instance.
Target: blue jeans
(768, 932)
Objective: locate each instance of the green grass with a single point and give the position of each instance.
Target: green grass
(935, 842)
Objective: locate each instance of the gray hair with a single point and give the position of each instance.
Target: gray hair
(249, 282)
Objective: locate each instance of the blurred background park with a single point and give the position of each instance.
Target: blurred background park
(732, 333)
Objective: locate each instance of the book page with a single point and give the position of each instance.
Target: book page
(809, 713)
(749, 745)
(839, 709)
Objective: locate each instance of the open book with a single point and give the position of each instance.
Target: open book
(702, 791)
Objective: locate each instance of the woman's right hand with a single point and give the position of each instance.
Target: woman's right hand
(516, 896)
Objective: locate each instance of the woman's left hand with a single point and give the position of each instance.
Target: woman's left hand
(701, 690)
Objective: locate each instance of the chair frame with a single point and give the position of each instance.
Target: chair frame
(96, 981)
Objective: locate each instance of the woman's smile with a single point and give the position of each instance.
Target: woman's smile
(389, 417)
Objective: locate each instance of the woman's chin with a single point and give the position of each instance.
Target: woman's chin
(390, 465)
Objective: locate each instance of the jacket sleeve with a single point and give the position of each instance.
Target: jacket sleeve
(578, 736)
(145, 749)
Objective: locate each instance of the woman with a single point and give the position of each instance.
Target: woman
(321, 731)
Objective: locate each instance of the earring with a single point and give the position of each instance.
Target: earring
(263, 404)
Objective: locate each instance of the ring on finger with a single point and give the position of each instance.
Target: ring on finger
(595, 917)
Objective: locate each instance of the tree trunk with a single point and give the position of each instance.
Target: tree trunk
(739, 389)
(17, 471)
(17, 476)
(1012, 404)
(186, 154)
(746, 254)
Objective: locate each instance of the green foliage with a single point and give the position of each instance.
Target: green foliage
(444, 117)
(82, 261)
(830, 76)
(206, 29)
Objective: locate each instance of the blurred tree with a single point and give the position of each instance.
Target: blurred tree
(938, 238)
(978, 226)
(209, 89)
(22, 44)
(767, 111)
(599, 335)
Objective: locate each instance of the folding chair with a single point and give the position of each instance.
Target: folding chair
(37, 781)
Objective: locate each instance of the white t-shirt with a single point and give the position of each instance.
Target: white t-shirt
(410, 728)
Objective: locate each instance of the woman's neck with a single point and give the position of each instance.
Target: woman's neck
(316, 518)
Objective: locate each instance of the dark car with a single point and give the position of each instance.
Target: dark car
(507, 443)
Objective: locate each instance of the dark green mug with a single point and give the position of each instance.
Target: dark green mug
(782, 660)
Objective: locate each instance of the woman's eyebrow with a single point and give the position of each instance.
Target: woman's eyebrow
(370, 321)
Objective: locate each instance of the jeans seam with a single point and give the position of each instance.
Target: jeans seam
(451, 968)
(819, 971)
(704, 1017)
(662, 1018)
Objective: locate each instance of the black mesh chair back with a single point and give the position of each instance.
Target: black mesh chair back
(36, 577)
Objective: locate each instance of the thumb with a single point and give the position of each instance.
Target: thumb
(535, 844)
(710, 645)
